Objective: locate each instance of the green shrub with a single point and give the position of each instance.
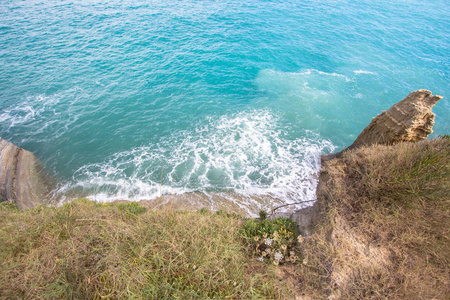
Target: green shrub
(271, 240)
(203, 211)
(132, 208)
(262, 215)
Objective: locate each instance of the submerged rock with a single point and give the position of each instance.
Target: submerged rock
(22, 180)
(409, 120)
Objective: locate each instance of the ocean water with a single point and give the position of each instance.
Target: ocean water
(137, 99)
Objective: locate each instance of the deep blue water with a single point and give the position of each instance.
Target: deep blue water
(131, 99)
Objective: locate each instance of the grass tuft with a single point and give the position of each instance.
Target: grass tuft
(271, 241)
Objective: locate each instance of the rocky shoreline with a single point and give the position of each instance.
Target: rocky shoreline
(23, 180)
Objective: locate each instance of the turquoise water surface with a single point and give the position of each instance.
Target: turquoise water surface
(134, 99)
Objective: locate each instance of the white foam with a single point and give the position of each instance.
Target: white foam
(357, 72)
(246, 153)
(26, 111)
(39, 112)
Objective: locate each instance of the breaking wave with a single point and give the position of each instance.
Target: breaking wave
(246, 154)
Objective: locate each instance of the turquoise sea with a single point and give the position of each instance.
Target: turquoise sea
(136, 99)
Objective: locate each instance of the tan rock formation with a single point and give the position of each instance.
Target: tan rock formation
(408, 120)
(22, 180)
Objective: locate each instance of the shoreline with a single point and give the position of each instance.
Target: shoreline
(225, 201)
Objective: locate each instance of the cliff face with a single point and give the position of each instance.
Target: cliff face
(22, 180)
(409, 120)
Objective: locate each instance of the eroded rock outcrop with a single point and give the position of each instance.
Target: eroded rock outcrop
(22, 180)
(409, 120)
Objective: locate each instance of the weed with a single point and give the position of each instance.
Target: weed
(203, 211)
(6, 205)
(262, 215)
(132, 208)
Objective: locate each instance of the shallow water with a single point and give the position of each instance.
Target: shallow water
(134, 100)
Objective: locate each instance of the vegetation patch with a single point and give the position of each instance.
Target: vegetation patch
(87, 250)
(271, 240)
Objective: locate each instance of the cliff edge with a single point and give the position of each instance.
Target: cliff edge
(22, 180)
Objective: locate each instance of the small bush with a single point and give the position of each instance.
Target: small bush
(204, 211)
(262, 215)
(271, 240)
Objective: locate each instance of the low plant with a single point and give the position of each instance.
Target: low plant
(132, 208)
(6, 205)
(271, 240)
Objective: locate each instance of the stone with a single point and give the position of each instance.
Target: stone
(22, 178)
(409, 120)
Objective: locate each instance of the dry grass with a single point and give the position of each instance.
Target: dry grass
(85, 250)
(384, 231)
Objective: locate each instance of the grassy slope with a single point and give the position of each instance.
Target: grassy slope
(384, 228)
(85, 250)
(383, 233)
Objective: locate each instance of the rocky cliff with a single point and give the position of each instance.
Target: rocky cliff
(22, 180)
(409, 120)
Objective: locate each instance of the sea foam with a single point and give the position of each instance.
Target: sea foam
(245, 153)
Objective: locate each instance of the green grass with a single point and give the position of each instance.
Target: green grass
(86, 250)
